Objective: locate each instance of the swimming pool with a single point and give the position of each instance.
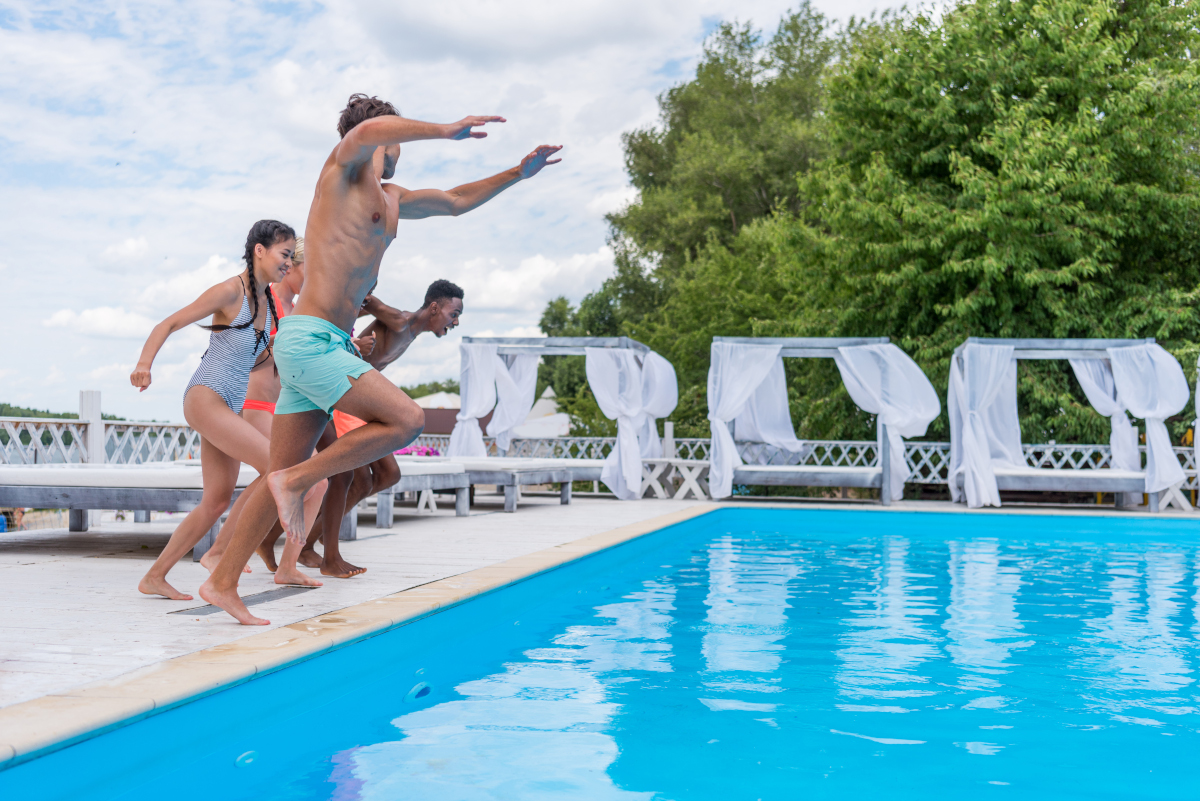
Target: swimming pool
(747, 653)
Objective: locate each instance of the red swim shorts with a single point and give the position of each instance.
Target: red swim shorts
(344, 423)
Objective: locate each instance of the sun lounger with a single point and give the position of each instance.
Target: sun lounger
(1101, 479)
(808, 476)
(417, 475)
(514, 472)
(748, 401)
(1117, 375)
(160, 487)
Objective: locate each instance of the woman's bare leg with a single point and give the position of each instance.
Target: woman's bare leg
(220, 477)
(233, 435)
(213, 554)
(266, 551)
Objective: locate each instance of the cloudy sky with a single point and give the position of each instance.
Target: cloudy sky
(142, 139)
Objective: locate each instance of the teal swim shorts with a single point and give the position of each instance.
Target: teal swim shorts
(316, 361)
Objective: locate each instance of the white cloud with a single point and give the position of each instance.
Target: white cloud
(149, 141)
(169, 294)
(103, 321)
(535, 280)
(129, 249)
(612, 201)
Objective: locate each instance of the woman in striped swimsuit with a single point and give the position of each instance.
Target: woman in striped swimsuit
(242, 316)
(259, 411)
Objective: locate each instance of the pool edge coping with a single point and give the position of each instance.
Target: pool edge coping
(52, 722)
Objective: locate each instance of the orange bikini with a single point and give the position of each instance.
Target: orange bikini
(258, 405)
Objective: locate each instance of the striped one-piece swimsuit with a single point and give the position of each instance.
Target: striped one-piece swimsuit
(225, 366)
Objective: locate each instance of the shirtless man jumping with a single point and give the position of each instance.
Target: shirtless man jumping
(352, 220)
(388, 337)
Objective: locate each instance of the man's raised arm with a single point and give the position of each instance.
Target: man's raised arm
(360, 143)
(420, 203)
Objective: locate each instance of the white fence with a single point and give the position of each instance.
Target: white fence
(30, 440)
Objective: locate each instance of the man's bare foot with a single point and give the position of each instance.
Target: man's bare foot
(158, 586)
(309, 558)
(340, 568)
(231, 602)
(210, 559)
(289, 503)
(267, 554)
(286, 575)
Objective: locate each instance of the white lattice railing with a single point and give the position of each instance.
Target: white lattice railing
(42, 440)
(928, 462)
(137, 443)
(26, 440)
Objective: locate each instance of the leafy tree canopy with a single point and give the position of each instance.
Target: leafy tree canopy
(1005, 169)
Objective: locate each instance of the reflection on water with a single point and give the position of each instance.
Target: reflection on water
(535, 730)
(777, 661)
(982, 625)
(887, 637)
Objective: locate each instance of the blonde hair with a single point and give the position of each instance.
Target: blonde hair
(298, 253)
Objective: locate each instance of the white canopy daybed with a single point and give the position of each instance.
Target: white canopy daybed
(746, 388)
(632, 385)
(1118, 375)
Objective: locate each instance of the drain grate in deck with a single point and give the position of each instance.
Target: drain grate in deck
(248, 600)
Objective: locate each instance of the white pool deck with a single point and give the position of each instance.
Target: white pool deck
(72, 614)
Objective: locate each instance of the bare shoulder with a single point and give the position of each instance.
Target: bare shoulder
(230, 292)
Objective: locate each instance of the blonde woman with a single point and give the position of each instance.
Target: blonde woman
(243, 314)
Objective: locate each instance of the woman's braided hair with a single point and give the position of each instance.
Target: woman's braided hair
(266, 233)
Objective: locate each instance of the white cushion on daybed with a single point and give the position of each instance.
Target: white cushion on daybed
(157, 475)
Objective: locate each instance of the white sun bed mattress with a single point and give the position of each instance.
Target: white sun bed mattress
(1091, 479)
(157, 475)
(523, 463)
(807, 475)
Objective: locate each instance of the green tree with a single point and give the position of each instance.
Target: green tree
(729, 144)
(1012, 169)
(1008, 169)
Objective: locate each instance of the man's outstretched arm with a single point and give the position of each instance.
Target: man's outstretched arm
(387, 316)
(420, 203)
(359, 145)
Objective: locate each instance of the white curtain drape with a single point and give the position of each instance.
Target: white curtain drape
(734, 376)
(884, 381)
(660, 396)
(767, 418)
(1096, 378)
(1150, 383)
(477, 390)
(984, 426)
(616, 381)
(516, 381)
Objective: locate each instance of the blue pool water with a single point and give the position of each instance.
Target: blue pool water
(746, 654)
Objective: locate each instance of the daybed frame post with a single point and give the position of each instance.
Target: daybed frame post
(349, 528)
(89, 412)
(564, 493)
(383, 509)
(885, 462)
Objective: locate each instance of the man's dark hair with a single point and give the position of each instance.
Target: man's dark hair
(440, 290)
(360, 108)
